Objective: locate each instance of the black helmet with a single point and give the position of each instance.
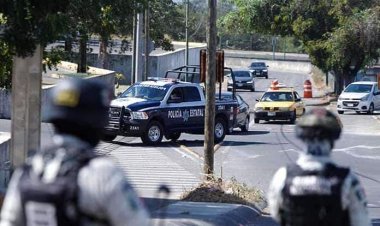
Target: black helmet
(78, 102)
(319, 123)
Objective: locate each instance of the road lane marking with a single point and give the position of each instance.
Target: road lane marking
(358, 148)
(187, 152)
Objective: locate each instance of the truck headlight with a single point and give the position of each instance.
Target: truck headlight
(265, 70)
(250, 82)
(139, 115)
(365, 98)
(259, 108)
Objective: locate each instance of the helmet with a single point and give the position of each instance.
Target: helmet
(79, 102)
(319, 123)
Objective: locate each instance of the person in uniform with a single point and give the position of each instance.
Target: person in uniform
(68, 183)
(314, 190)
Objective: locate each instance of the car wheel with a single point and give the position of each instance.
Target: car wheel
(253, 89)
(153, 134)
(173, 136)
(108, 137)
(257, 121)
(266, 76)
(358, 112)
(220, 130)
(370, 109)
(340, 112)
(293, 118)
(245, 127)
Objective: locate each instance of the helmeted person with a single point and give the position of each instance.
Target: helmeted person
(67, 183)
(314, 190)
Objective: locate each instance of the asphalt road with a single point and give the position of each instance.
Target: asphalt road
(253, 157)
(250, 157)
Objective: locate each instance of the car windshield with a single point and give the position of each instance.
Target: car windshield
(358, 88)
(149, 92)
(277, 96)
(242, 74)
(258, 65)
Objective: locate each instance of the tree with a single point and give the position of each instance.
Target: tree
(28, 23)
(324, 27)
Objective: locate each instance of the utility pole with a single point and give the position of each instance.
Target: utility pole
(146, 64)
(133, 71)
(138, 51)
(208, 168)
(187, 34)
(187, 38)
(26, 106)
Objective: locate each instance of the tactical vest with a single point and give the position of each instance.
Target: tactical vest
(313, 198)
(55, 203)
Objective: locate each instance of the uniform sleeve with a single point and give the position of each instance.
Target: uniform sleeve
(355, 201)
(11, 211)
(274, 193)
(106, 193)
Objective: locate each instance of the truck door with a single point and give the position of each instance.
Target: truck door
(194, 106)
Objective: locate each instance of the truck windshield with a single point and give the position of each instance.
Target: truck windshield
(149, 92)
(358, 88)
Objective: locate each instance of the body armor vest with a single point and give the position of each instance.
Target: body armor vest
(54, 203)
(313, 198)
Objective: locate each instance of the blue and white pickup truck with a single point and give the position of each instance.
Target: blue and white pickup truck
(166, 107)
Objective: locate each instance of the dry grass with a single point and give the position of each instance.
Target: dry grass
(231, 191)
(318, 78)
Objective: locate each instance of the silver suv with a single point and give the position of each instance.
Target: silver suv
(361, 96)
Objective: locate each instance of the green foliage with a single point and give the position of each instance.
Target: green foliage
(5, 66)
(32, 22)
(165, 23)
(337, 34)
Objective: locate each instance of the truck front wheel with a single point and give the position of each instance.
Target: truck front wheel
(220, 130)
(173, 136)
(153, 134)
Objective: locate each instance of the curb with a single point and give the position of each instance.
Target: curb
(322, 102)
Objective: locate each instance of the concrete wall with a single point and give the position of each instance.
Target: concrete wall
(5, 103)
(6, 97)
(5, 140)
(158, 63)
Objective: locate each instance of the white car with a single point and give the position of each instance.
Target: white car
(361, 96)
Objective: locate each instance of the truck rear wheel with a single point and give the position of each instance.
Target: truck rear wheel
(220, 130)
(153, 134)
(108, 137)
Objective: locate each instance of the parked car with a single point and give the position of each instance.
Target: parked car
(241, 113)
(259, 69)
(243, 80)
(361, 96)
(280, 104)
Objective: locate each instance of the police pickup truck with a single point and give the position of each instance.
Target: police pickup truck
(166, 107)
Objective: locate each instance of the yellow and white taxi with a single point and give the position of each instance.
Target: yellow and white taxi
(280, 103)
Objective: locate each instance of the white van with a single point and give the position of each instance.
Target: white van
(361, 96)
